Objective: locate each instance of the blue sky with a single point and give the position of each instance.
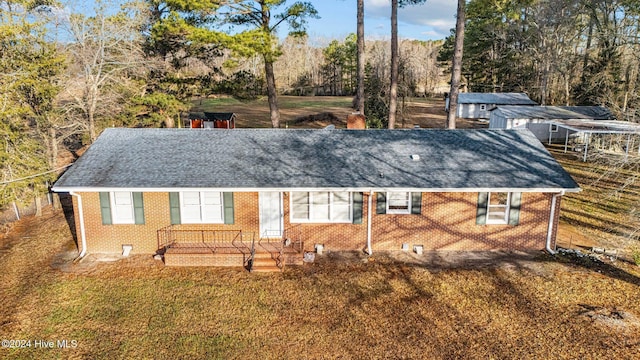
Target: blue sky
(429, 21)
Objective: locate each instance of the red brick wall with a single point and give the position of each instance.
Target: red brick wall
(335, 236)
(447, 222)
(110, 238)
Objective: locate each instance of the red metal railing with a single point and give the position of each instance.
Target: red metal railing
(170, 236)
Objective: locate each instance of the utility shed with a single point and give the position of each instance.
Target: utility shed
(541, 120)
(212, 120)
(479, 105)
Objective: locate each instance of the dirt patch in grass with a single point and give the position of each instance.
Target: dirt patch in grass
(342, 306)
(611, 317)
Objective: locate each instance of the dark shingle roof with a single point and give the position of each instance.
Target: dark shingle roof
(219, 115)
(245, 159)
(594, 112)
(495, 98)
(538, 112)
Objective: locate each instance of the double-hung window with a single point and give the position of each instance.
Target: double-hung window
(122, 207)
(398, 203)
(198, 207)
(498, 208)
(321, 206)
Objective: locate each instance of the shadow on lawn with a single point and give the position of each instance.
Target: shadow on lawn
(67, 207)
(446, 260)
(466, 330)
(594, 264)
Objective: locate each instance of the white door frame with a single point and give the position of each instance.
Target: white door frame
(270, 233)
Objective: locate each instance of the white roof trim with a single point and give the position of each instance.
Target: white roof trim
(349, 189)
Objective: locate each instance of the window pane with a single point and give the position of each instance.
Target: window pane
(300, 208)
(191, 213)
(300, 197)
(122, 198)
(341, 212)
(341, 198)
(320, 205)
(212, 198)
(398, 200)
(212, 214)
(191, 198)
(498, 198)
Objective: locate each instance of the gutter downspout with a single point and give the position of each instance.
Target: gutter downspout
(369, 211)
(552, 216)
(83, 237)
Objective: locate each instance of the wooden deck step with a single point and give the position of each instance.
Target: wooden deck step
(262, 269)
(263, 262)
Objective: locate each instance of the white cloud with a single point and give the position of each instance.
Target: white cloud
(437, 15)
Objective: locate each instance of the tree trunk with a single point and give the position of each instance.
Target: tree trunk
(38, 201)
(545, 82)
(271, 93)
(92, 127)
(360, 51)
(393, 90)
(457, 67)
(169, 121)
(54, 148)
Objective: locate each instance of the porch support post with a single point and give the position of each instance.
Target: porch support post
(587, 137)
(626, 150)
(369, 217)
(566, 141)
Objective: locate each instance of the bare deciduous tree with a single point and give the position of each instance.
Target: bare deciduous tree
(103, 49)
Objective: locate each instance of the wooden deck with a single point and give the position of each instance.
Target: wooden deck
(218, 254)
(204, 247)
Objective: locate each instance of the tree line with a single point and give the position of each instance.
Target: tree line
(572, 52)
(66, 73)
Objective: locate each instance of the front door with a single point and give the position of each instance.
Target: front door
(271, 216)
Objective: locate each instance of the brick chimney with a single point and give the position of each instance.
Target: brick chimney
(356, 121)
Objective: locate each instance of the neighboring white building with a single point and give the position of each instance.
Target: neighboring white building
(538, 119)
(479, 105)
(542, 120)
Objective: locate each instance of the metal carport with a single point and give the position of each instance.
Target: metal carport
(589, 127)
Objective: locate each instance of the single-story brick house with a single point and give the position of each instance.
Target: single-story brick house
(227, 195)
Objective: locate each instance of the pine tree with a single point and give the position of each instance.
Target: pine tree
(29, 67)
